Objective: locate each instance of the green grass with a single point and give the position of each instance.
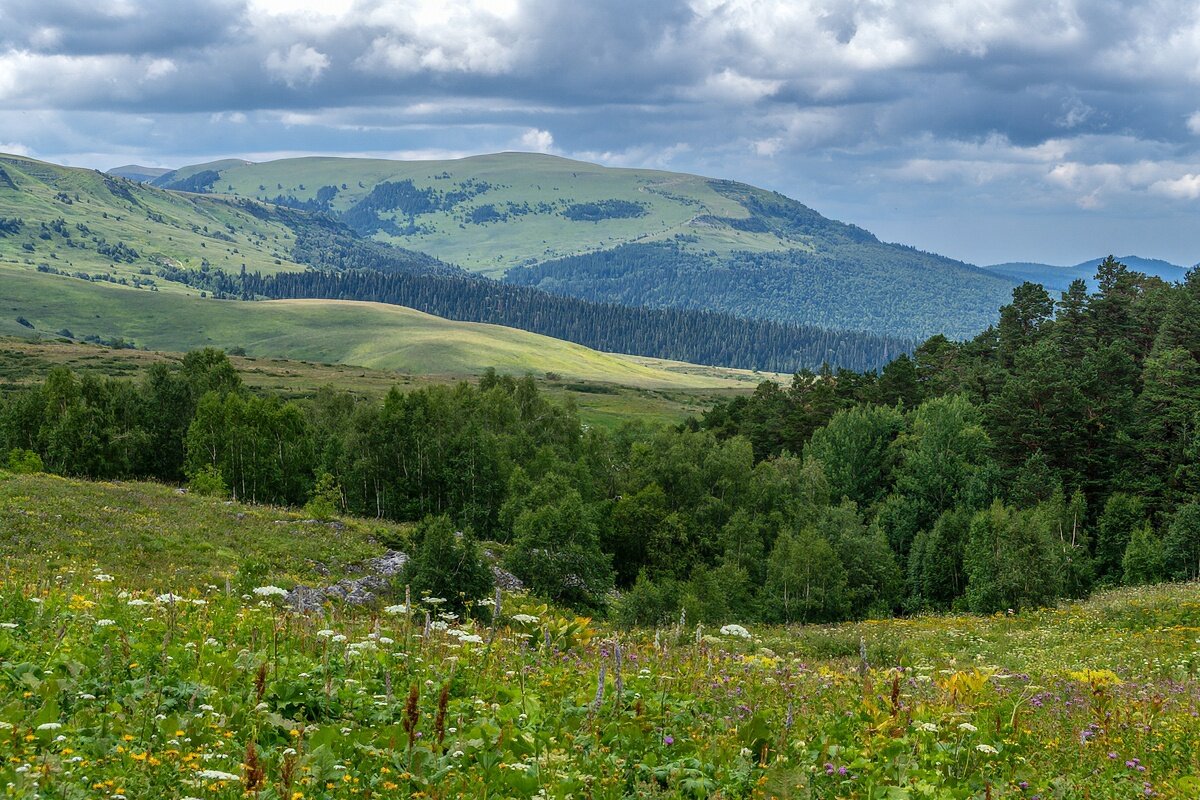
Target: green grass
(672, 201)
(164, 227)
(27, 361)
(151, 535)
(363, 334)
(111, 690)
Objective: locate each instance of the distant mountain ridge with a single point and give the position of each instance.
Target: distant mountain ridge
(1056, 278)
(74, 230)
(629, 236)
(136, 172)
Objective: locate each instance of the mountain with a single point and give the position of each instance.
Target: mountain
(136, 172)
(1057, 279)
(373, 335)
(100, 229)
(628, 236)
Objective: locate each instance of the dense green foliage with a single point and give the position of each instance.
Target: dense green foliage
(1052, 452)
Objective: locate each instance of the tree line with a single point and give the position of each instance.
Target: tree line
(702, 337)
(1054, 453)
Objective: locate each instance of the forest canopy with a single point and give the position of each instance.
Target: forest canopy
(1055, 452)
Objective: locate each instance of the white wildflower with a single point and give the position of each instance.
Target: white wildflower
(49, 726)
(928, 727)
(216, 775)
(986, 749)
(967, 727)
(9, 625)
(104, 623)
(735, 630)
(270, 591)
(103, 578)
(400, 609)
(525, 619)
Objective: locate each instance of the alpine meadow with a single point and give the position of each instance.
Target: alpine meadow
(460, 399)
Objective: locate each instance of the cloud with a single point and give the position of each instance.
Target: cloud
(15, 148)
(298, 65)
(1185, 187)
(1016, 106)
(537, 141)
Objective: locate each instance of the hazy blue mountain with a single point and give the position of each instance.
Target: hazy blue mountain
(1056, 278)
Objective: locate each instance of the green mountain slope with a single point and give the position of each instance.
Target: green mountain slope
(76, 220)
(80, 223)
(684, 240)
(363, 334)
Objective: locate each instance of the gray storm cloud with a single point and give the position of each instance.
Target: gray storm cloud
(861, 106)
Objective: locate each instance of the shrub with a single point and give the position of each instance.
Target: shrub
(25, 462)
(447, 564)
(326, 498)
(209, 482)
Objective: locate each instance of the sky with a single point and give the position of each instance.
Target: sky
(985, 130)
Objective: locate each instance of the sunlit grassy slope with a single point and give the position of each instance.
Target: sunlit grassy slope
(672, 203)
(150, 534)
(362, 334)
(99, 211)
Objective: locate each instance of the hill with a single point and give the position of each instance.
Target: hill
(77, 220)
(1059, 278)
(340, 332)
(153, 535)
(136, 172)
(104, 229)
(629, 236)
(25, 362)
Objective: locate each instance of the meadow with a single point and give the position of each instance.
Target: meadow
(679, 391)
(178, 673)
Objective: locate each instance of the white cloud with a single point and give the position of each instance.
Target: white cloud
(160, 68)
(16, 149)
(1193, 123)
(465, 36)
(732, 87)
(299, 64)
(537, 141)
(1185, 187)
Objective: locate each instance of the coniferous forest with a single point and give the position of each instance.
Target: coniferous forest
(1056, 452)
(349, 268)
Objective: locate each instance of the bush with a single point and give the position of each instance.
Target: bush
(209, 482)
(1143, 561)
(447, 564)
(326, 498)
(647, 603)
(25, 462)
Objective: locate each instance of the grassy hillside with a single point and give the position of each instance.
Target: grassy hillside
(112, 690)
(363, 334)
(77, 220)
(150, 535)
(684, 240)
(466, 233)
(28, 361)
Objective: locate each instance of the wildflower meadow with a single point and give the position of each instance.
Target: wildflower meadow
(201, 692)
